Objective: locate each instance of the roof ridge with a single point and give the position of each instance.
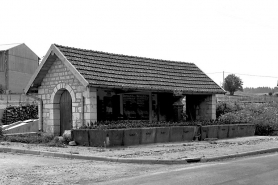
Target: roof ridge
(11, 44)
(122, 55)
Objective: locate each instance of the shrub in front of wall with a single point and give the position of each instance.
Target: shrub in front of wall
(263, 116)
(226, 107)
(31, 139)
(123, 124)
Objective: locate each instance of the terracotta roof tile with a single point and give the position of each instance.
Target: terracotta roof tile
(114, 70)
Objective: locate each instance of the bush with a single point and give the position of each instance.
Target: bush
(226, 107)
(264, 116)
(56, 142)
(122, 124)
(30, 139)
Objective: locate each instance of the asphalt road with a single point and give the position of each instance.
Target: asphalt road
(258, 170)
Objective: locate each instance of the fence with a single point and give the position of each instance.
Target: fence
(247, 99)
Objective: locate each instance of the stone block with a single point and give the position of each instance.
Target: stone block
(75, 116)
(78, 109)
(87, 116)
(41, 91)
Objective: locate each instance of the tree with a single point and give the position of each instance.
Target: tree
(232, 84)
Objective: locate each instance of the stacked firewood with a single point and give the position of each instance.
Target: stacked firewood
(19, 113)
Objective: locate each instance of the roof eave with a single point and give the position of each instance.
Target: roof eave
(154, 90)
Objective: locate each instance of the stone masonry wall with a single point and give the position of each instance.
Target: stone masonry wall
(207, 109)
(60, 78)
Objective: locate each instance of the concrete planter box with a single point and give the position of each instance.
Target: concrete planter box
(132, 136)
(97, 138)
(81, 137)
(162, 134)
(147, 135)
(136, 136)
(250, 130)
(176, 133)
(233, 131)
(246, 130)
(242, 130)
(223, 131)
(188, 133)
(116, 137)
(210, 131)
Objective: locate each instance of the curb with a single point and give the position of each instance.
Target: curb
(95, 158)
(270, 150)
(131, 160)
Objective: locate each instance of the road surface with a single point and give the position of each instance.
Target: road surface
(17, 169)
(256, 170)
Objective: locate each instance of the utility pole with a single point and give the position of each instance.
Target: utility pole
(223, 79)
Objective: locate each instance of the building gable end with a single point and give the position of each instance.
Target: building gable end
(46, 63)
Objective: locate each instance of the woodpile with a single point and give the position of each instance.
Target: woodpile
(19, 113)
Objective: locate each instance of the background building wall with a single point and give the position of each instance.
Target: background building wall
(2, 71)
(22, 64)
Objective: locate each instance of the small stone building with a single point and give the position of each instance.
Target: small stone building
(78, 86)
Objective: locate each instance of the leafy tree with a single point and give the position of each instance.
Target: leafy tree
(232, 84)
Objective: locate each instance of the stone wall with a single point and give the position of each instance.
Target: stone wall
(207, 108)
(58, 79)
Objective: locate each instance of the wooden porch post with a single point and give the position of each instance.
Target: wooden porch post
(150, 107)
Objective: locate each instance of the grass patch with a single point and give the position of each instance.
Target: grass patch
(40, 138)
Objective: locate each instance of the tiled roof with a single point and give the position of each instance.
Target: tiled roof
(121, 71)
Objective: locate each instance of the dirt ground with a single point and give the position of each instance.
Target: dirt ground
(16, 169)
(180, 150)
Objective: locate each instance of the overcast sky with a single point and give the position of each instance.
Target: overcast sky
(232, 36)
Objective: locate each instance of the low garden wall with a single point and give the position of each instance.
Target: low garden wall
(136, 136)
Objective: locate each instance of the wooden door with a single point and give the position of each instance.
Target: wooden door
(65, 112)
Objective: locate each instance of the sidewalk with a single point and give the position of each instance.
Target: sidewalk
(173, 153)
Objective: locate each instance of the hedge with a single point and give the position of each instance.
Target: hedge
(106, 125)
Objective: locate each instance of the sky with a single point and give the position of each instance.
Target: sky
(232, 36)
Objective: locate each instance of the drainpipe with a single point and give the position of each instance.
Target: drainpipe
(40, 110)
